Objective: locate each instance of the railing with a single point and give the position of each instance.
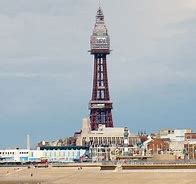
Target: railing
(167, 162)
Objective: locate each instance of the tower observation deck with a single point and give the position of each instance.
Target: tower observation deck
(100, 105)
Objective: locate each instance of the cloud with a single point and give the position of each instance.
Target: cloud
(32, 75)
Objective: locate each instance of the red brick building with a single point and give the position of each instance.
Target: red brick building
(190, 136)
(158, 145)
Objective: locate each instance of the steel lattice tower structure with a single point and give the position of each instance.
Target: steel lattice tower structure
(100, 105)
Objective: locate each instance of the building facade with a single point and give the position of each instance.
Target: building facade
(52, 154)
(190, 150)
(174, 134)
(104, 136)
(158, 146)
(190, 136)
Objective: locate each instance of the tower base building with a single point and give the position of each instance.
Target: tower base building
(104, 136)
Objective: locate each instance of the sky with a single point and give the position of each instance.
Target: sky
(46, 70)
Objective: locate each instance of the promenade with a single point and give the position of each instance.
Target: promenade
(93, 175)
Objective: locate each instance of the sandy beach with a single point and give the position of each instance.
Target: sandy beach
(94, 176)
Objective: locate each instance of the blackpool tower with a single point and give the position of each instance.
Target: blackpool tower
(100, 105)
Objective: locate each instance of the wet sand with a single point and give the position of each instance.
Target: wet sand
(94, 176)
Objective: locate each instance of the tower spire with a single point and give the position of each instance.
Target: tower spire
(100, 16)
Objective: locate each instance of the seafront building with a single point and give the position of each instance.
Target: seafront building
(104, 136)
(176, 135)
(171, 144)
(51, 154)
(106, 143)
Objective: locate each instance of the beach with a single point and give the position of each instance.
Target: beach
(93, 175)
